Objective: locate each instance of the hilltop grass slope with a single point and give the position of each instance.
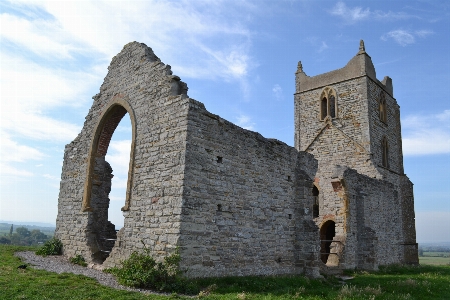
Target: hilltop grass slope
(396, 282)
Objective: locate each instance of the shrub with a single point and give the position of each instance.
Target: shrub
(141, 270)
(51, 247)
(78, 260)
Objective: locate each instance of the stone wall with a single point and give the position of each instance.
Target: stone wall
(391, 129)
(247, 205)
(156, 102)
(374, 232)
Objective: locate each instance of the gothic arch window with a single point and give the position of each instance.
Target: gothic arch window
(382, 108)
(384, 152)
(328, 103)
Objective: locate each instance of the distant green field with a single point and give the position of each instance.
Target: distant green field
(443, 254)
(425, 260)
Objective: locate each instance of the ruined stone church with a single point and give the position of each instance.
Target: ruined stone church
(232, 201)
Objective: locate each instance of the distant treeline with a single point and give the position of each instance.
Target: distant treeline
(23, 236)
(435, 250)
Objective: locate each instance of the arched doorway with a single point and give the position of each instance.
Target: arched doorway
(327, 233)
(102, 233)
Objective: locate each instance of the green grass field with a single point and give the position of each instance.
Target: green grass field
(421, 282)
(428, 260)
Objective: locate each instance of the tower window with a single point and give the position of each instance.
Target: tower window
(382, 108)
(384, 152)
(332, 109)
(328, 103)
(324, 110)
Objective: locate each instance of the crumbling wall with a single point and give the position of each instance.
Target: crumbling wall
(375, 222)
(102, 231)
(138, 84)
(247, 204)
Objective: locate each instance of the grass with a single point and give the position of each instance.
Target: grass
(430, 260)
(422, 282)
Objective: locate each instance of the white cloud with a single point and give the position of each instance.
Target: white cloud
(51, 177)
(7, 170)
(119, 155)
(357, 13)
(28, 91)
(426, 134)
(103, 27)
(40, 36)
(323, 46)
(245, 122)
(424, 33)
(277, 92)
(12, 152)
(433, 226)
(405, 37)
(352, 14)
(401, 37)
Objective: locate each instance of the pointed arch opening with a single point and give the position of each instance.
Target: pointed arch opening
(102, 233)
(328, 103)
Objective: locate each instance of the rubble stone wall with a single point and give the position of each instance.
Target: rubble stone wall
(247, 205)
(157, 104)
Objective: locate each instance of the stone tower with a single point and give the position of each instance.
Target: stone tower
(350, 121)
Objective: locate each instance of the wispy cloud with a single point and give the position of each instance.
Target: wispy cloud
(424, 33)
(94, 27)
(277, 92)
(401, 37)
(405, 37)
(323, 46)
(358, 13)
(354, 14)
(317, 43)
(426, 134)
(65, 48)
(119, 158)
(51, 177)
(11, 153)
(245, 122)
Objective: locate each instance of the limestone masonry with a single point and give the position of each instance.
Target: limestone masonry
(232, 201)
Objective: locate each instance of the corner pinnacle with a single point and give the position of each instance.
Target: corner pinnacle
(362, 48)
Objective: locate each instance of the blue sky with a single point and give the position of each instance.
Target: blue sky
(237, 57)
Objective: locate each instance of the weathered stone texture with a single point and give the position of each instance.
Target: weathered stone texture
(246, 200)
(373, 208)
(234, 202)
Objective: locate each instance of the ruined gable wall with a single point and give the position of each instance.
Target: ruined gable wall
(247, 202)
(136, 77)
